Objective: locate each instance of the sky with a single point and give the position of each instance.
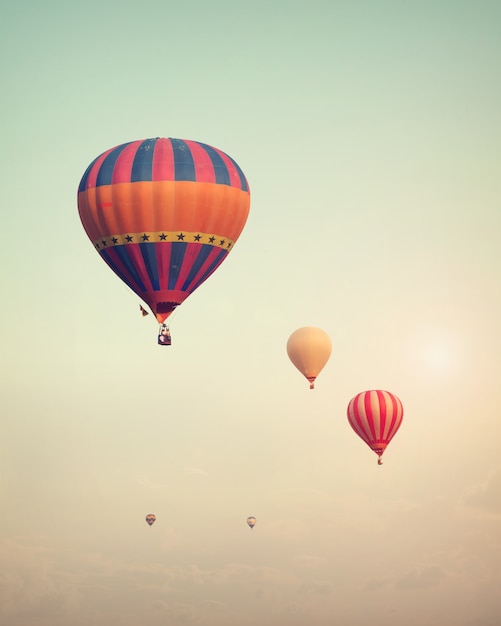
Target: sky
(369, 132)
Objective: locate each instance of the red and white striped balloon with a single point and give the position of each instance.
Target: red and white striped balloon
(375, 416)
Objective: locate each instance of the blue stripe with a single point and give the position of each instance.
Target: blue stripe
(204, 252)
(129, 265)
(219, 259)
(220, 169)
(176, 261)
(142, 166)
(148, 250)
(105, 173)
(184, 166)
(83, 182)
(117, 271)
(243, 181)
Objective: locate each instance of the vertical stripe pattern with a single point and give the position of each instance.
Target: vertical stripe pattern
(163, 214)
(375, 416)
(163, 159)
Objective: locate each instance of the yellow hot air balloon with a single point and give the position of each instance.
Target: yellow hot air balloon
(251, 521)
(309, 348)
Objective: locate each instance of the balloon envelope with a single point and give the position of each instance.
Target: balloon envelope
(309, 348)
(251, 521)
(163, 214)
(375, 416)
(150, 519)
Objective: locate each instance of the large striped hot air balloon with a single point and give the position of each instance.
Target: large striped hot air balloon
(150, 519)
(375, 416)
(163, 214)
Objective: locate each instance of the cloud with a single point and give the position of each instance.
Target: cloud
(152, 485)
(315, 587)
(374, 584)
(76, 586)
(33, 586)
(195, 471)
(309, 561)
(486, 497)
(421, 577)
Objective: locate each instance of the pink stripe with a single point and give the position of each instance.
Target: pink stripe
(134, 251)
(123, 165)
(163, 252)
(189, 258)
(234, 176)
(163, 160)
(382, 417)
(356, 420)
(371, 417)
(204, 170)
(207, 263)
(112, 252)
(396, 417)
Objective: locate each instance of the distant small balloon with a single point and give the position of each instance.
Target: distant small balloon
(309, 349)
(150, 519)
(251, 521)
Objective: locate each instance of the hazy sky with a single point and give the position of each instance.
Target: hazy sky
(370, 135)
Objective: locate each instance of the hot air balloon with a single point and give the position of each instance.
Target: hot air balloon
(375, 416)
(251, 521)
(309, 349)
(163, 214)
(150, 519)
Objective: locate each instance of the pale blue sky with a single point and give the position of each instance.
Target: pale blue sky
(369, 133)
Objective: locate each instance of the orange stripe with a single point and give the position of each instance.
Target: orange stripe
(152, 206)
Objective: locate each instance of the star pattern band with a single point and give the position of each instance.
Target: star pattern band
(166, 236)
